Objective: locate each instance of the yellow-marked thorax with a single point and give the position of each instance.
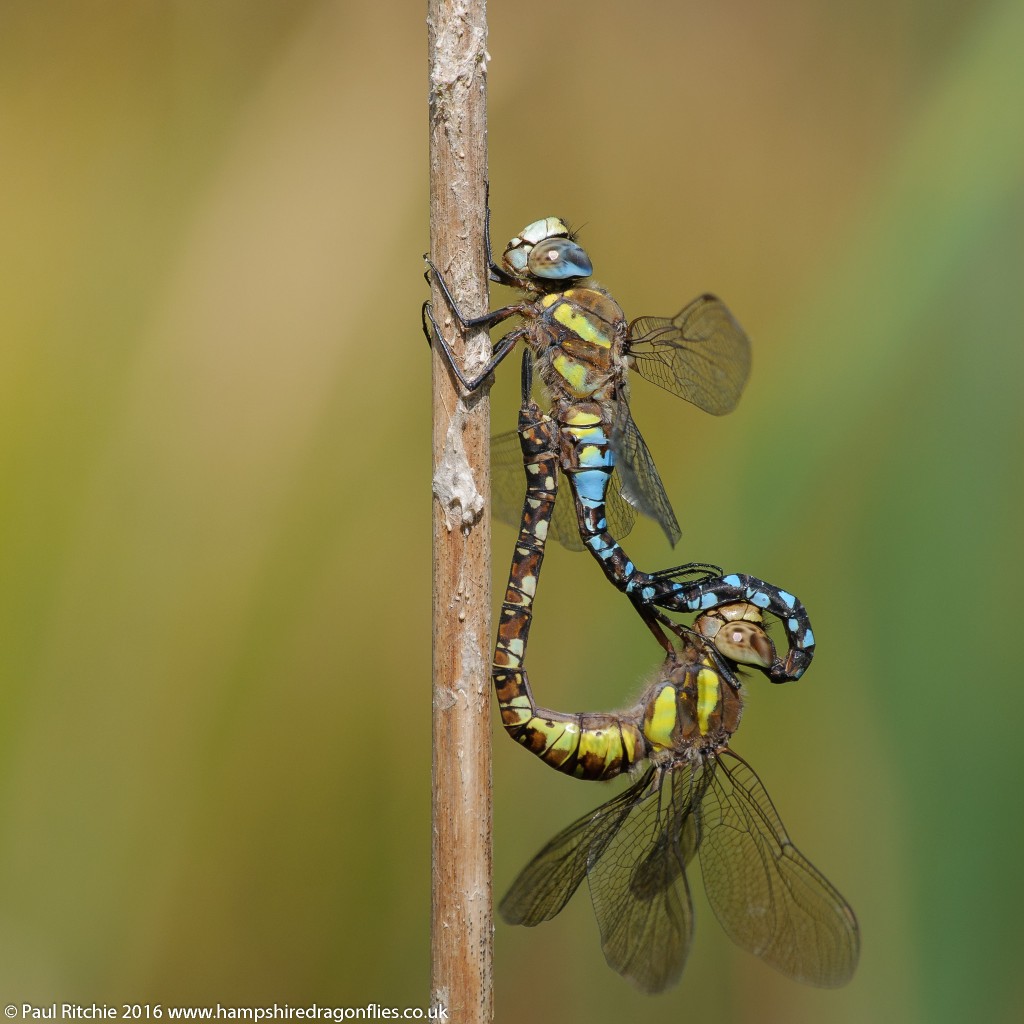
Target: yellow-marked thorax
(578, 337)
(693, 707)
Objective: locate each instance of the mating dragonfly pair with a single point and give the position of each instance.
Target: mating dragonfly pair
(696, 795)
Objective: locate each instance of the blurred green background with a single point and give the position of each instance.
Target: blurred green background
(215, 477)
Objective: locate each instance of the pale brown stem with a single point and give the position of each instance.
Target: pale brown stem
(461, 905)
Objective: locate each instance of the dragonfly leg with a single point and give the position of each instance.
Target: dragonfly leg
(495, 271)
(489, 319)
(703, 570)
(501, 349)
(657, 622)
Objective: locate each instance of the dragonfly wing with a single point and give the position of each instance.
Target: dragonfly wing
(702, 354)
(564, 526)
(547, 883)
(620, 513)
(639, 890)
(508, 489)
(641, 483)
(768, 897)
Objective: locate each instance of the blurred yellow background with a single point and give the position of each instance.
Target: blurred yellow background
(215, 482)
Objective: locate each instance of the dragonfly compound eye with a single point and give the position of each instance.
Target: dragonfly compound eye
(545, 249)
(736, 633)
(558, 259)
(745, 643)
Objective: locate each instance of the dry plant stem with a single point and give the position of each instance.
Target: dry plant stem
(461, 905)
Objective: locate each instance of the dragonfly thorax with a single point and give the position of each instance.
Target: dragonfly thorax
(577, 337)
(689, 708)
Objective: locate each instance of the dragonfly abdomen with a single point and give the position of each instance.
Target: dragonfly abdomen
(586, 746)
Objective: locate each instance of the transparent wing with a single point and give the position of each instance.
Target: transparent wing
(546, 884)
(641, 483)
(619, 513)
(564, 527)
(508, 488)
(768, 897)
(638, 885)
(701, 355)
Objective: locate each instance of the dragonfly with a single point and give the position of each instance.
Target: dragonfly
(696, 795)
(583, 348)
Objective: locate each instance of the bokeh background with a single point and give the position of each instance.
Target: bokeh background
(215, 481)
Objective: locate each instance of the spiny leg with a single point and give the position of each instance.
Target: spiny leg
(499, 350)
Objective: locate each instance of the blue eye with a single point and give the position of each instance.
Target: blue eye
(557, 259)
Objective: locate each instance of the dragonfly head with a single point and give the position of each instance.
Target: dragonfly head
(545, 252)
(737, 631)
